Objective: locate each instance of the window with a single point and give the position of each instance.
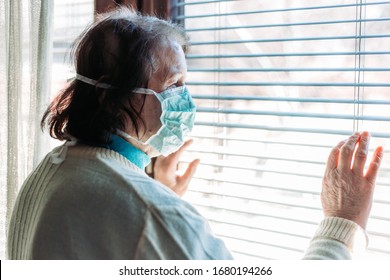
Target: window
(278, 84)
(26, 65)
(71, 18)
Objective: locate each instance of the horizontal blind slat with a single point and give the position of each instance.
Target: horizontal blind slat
(229, 208)
(290, 129)
(263, 141)
(291, 99)
(261, 169)
(263, 243)
(182, 4)
(251, 226)
(181, 17)
(292, 24)
(275, 40)
(289, 84)
(261, 185)
(302, 54)
(292, 114)
(224, 70)
(254, 155)
(273, 202)
(283, 216)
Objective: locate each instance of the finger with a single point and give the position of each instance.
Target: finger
(347, 150)
(375, 163)
(334, 156)
(181, 150)
(189, 173)
(361, 153)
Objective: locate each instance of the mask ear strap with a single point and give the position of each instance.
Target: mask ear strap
(144, 91)
(93, 82)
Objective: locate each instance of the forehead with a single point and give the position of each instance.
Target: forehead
(171, 61)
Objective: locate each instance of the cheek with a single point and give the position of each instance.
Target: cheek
(151, 114)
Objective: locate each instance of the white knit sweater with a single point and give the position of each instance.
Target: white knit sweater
(95, 204)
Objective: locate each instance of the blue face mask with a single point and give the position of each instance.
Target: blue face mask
(177, 119)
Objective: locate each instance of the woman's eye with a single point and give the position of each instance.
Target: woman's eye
(172, 86)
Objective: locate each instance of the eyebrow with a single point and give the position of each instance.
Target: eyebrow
(175, 74)
(172, 76)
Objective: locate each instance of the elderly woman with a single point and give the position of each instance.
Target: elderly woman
(91, 199)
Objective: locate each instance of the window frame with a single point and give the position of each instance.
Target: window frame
(160, 8)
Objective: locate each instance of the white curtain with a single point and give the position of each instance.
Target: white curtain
(25, 60)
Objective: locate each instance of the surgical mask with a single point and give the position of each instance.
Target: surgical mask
(177, 119)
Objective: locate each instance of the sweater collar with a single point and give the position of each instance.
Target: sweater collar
(133, 154)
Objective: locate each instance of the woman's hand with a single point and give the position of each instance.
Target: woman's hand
(347, 191)
(165, 170)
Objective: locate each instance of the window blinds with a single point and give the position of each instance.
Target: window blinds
(277, 85)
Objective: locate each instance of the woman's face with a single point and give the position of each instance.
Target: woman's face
(170, 73)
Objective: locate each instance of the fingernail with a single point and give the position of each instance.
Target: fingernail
(365, 134)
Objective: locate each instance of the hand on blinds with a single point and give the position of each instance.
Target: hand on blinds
(347, 191)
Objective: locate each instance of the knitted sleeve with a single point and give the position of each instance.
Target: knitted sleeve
(336, 239)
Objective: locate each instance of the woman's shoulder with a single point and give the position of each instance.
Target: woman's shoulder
(91, 171)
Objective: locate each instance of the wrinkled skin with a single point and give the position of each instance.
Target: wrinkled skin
(347, 191)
